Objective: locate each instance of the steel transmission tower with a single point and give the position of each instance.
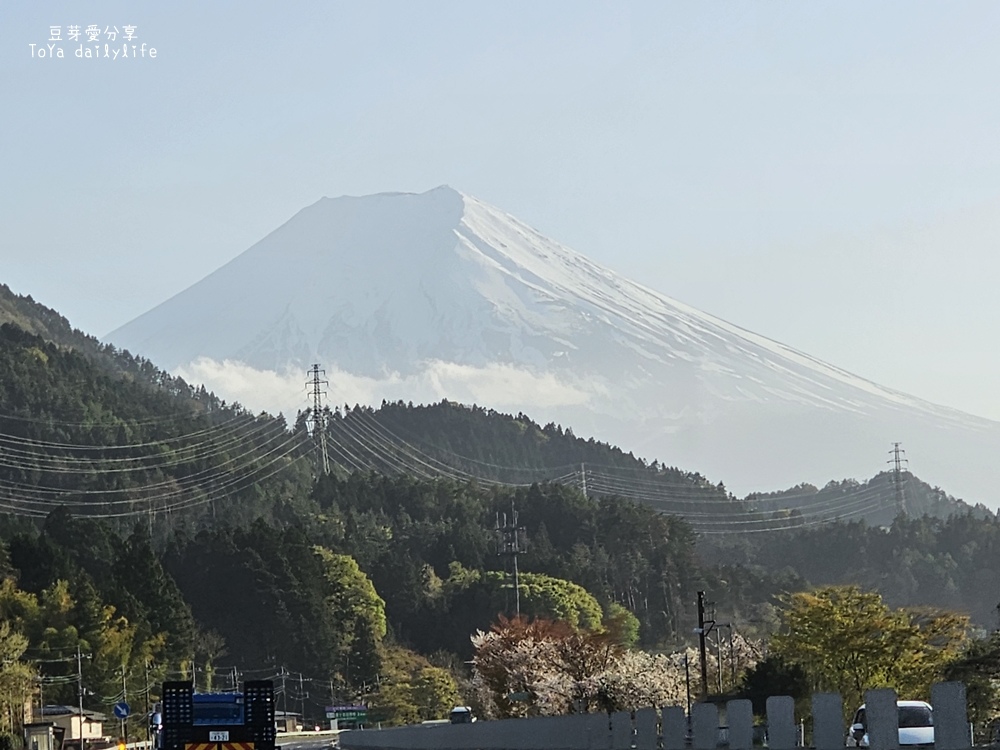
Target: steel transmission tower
(510, 541)
(897, 461)
(318, 418)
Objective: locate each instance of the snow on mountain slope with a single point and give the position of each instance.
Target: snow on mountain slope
(421, 295)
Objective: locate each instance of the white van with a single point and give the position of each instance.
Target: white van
(916, 725)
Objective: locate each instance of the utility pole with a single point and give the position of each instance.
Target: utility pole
(897, 461)
(284, 697)
(145, 669)
(79, 687)
(509, 544)
(718, 654)
(319, 422)
(718, 650)
(302, 698)
(732, 654)
(703, 631)
(687, 682)
(124, 700)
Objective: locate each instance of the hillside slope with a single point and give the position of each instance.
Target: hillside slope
(440, 295)
(443, 440)
(462, 443)
(106, 444)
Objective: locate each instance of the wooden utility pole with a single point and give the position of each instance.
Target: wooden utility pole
(124, 700)
(79, 686)
(701, 644)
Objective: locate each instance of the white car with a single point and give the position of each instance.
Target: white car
(916, 725)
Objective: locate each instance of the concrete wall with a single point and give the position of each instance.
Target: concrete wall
(667, 727)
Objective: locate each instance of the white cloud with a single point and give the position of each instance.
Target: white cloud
(496, 386)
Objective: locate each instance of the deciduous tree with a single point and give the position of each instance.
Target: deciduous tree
(849, 640)
(545, 667)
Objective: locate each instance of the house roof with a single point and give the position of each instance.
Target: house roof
(55, 710)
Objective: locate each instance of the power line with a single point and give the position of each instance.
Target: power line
(59, 455)
(186, 495)
(366, 444)
(158, 420)
(84, 447)
(176, 486)
(544, 470)
(253, 439)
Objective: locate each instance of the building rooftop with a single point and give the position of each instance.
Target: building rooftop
(56, 710)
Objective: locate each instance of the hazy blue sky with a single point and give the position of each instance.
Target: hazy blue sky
(823, 173)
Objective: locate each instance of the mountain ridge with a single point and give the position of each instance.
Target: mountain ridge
(473, 443)
(687, 315)
(397, 287)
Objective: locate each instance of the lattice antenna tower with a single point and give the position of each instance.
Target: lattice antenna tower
(318, 416)
(511, 541)
(897, 461)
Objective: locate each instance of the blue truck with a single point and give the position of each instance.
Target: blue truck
(215, 721)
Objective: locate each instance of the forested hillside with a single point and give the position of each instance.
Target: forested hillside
(43, 321)
(76, 436)
(952, 563)
(875, 501)
(453, 441)
(473, 443)
(32, 317)
(159, 530)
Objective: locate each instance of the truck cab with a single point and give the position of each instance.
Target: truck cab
(216, 721)
(217, 709)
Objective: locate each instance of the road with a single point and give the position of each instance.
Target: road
(304, 742)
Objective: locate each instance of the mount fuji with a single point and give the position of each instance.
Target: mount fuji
(439, 295)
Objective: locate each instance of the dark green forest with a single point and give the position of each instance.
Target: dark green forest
(161, 532)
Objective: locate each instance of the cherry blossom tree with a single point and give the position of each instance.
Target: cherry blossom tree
(540, 667)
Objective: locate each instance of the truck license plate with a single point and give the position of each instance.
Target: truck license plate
(218, 736)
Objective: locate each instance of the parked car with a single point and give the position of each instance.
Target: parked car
(916, 725)
(461, 715)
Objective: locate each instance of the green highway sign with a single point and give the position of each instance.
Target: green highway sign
(348, 713)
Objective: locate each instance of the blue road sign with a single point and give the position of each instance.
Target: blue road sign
(122, 710)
